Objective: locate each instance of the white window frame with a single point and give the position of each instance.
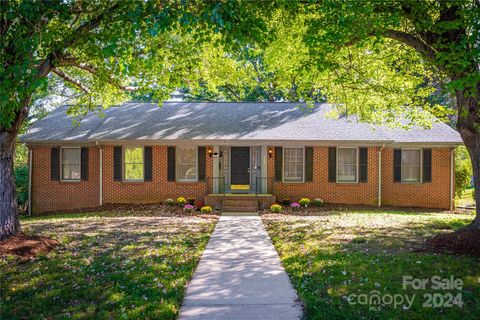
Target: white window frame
(176, 164)
(79, 164)
(283, 164)
(124, 178)
(420, 181)
(356, 167)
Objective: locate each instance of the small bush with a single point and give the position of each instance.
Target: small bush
(286, 202)
(206, 209)
(21, 184)
(188, 208)
(199, 204)
(295, 206)
(317, 202)
(191, 201)
(304, 202)
(276, 208)
(181, 201)
(169, 202)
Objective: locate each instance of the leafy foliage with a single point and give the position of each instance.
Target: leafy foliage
(463, 170)
(21, 184)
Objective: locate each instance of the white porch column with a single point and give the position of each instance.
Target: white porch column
(216, 169)
(263, 169)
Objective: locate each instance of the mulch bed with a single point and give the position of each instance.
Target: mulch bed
(26, 247)
(328, 207)
(463, 242)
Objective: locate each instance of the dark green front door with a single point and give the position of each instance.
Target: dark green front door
(240, 162)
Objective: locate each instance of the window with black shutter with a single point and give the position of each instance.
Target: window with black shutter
(117, 163)
(332, 164)
(278, 163)
(363, 163)
(148, 164)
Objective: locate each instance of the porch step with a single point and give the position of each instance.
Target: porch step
(241, 205)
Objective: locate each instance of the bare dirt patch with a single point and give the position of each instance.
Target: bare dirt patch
(27, 246)
(464, 242)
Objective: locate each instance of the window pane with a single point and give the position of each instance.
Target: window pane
(411, 165)
(293, 164)
(133, 163)
(186, 163)
(133, 171)
(71, 172)
(347, 165)
(70, 163)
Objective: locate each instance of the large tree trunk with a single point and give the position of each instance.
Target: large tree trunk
(469, 127)
(9, 222)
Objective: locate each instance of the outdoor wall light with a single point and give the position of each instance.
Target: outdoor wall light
(270, 152)
(210, 151)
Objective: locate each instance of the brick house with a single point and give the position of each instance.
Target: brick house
(234, 155)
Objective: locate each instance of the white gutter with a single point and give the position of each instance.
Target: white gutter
(101, 175)
(29, 181)
(452, 180)
(380, 175)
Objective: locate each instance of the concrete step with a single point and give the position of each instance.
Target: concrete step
(240, 205)
(239, 209)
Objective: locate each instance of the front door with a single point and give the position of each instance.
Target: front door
(240, 166)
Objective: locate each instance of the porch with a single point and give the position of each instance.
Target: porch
(234, 202)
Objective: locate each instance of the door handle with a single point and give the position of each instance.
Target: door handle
(248, 170)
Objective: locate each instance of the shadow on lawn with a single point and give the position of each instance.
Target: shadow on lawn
(106, 268)
(327, 263)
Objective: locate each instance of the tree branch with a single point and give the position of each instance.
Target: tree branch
(68, 78)
(412, 41)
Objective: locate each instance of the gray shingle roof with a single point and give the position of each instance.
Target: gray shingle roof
(225, 121)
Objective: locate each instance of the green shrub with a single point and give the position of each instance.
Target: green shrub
(169, 202)
(286, 202)
(463, 170)
(206, 209)
(304, 202)
(191, 201)
(21, 184)
(317, 202)
(181, 201)
(276, 208)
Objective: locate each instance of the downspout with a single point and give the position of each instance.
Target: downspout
(101, 174)
(452, 179)
(380, 175)
(29, 181)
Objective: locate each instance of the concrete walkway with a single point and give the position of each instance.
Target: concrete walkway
(240, 276)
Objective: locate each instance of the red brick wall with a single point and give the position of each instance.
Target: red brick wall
(435, 194)
(349, 193)
(153, 191)
(48, 195)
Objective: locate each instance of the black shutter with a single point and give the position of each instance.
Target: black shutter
(117, 163)
(55, 164)
(202, 163)
(171, 163)
(84, 163)
(363, 162)
(278, 163)
(308, 164)
(397, 165)
(332, 164)
(147, 174)
(427, 165)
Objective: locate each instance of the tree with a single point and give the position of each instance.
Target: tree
(444, 34)
(101, 50)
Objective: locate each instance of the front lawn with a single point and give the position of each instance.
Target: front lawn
(110, 265)
(340, 262)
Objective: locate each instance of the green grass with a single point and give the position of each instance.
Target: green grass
(332, 256)
(466, 199)
(112, 265)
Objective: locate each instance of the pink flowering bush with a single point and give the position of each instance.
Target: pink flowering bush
(188, 208)
(295, 205)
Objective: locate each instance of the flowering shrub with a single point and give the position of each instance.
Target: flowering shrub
(199, 204)
(317, 202)
(304, 202)
(188, 208)
(286, 202)
(181, 201)
(191, 201)
(169, 202)
(206, 209)
(295, 205)
(276, 208)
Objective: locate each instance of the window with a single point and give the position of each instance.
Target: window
(71, 164)
(347, 164)
(186, 163)
(293, 164)
(411, 165)
(133, 166)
